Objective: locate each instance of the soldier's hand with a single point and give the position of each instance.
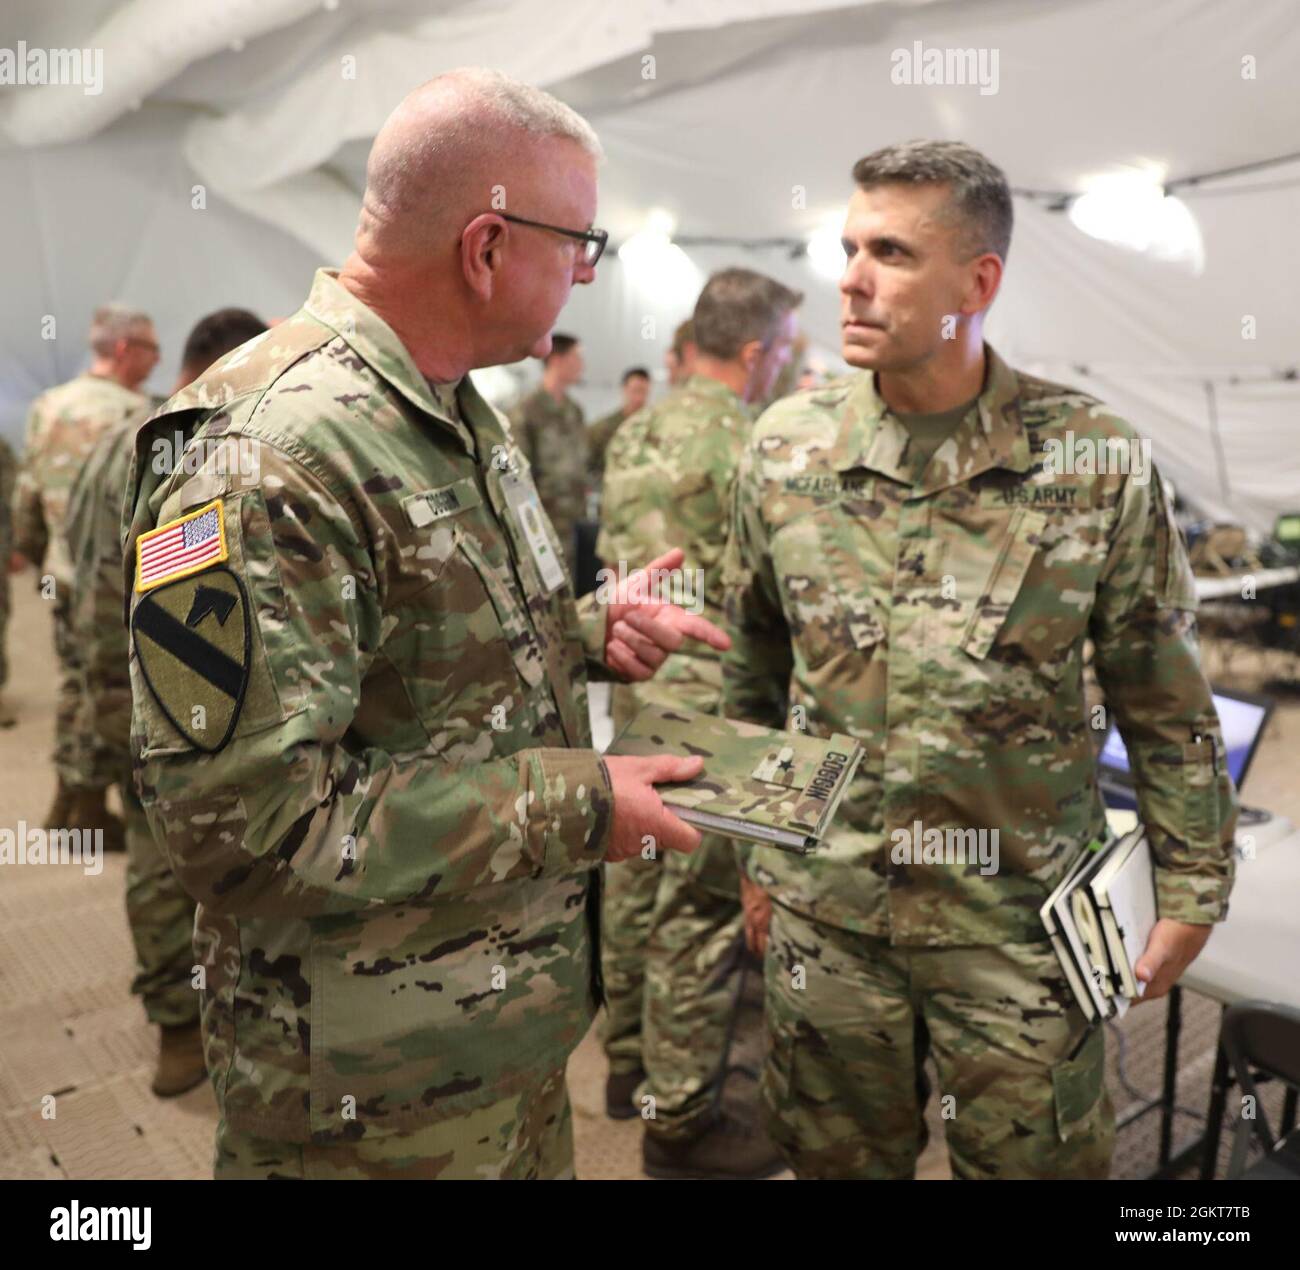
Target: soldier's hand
(17, 562)
(756, 905)
(640, 631)
(639, 812)
(1172, 947)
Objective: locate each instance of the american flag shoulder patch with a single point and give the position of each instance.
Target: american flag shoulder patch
(181, 547)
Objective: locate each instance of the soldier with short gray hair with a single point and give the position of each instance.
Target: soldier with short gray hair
(910, 565)
(62, 428)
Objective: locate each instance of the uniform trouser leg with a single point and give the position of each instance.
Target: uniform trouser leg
(694, 964)
(852, 1019)
(161, 917)
(528, 1135)
(68, 751)
(5, 593)
(627, 905)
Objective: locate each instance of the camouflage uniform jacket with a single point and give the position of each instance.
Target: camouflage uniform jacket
(943, 623)
(669, 474)
(407, 801)
(62, 428)
(553, 437)
(92, 533)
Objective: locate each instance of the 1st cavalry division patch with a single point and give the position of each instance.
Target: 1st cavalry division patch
(191, 627)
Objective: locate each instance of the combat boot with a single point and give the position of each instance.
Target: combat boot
(726, 1148)
(57, 816)
(87, 809)
(620, 1089)
(180, 1060)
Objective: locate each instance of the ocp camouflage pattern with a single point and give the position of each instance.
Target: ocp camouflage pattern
(395, 852)
(943, 624)
(786, 780)
(553, 437)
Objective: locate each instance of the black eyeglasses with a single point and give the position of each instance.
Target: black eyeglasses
(593, 240)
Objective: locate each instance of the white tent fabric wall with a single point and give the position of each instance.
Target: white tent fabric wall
(747, 102)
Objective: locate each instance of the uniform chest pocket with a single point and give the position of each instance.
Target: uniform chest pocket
(825, 594)
(509, 611)
(462, 647)
(1027, 615)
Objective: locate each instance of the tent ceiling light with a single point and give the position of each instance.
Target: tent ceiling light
(826, 250)
(1132, 210)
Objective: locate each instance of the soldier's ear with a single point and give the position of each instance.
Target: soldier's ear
(985, 280)
(482, 250)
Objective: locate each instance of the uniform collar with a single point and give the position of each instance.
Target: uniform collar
(377, 344)
(131, 394)
(992, 435)
(717, 390)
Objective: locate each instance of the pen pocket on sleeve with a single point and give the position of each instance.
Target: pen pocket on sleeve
(1201, 789)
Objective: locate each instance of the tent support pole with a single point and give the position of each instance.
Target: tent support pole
(1213, 406)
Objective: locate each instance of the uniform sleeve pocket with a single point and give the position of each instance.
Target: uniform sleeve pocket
(1201, 790)
(1077, 1086)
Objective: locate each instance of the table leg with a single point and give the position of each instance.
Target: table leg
(1173, 1025)
(1218, 1101)
(1288, 1110)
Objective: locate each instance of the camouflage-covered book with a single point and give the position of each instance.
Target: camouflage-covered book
(778, 789)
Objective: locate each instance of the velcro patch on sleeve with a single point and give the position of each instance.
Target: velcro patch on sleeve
(181, 547)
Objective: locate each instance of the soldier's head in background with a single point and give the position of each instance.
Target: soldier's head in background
(679, 360)
(123, 345)
(213, 337)
(745, 328)
(564, 364)
(925, 240)
(636, 389)
(443, 251)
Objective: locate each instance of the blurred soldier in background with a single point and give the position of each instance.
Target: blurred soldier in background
(62, 429)
(679, 360)
(549, 427)
(679, 930)
(160, 914)
(8, 563)
(636, 392)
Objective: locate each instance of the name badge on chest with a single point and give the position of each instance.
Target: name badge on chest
(526, 507)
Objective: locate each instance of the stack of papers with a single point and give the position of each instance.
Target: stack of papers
(1100, 918)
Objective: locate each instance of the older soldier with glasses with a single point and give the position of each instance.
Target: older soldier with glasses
(359, 682)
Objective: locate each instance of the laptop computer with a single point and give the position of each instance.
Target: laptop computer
(1243, 717)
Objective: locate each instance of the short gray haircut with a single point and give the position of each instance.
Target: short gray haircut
(979, 197)
(113, 322)
(739, 305)
(532, 110)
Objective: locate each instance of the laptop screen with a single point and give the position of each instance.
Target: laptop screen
(1242, 722)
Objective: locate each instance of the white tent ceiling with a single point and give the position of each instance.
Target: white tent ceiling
(252, 100)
